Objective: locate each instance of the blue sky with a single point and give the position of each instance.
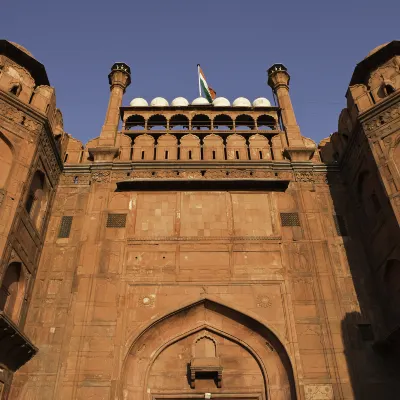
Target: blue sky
(235, 41)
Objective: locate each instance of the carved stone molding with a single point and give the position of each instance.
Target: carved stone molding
(263, 301)
(2, 195)
(318, 392)
(310, 177)
(101, 176)
(147, 301)
(19, 117)
(72, 179)
(383, 118)
(48, 153)
(200, 238)
(211, 174)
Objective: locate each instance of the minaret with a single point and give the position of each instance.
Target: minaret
(278, 79)
(119, 79)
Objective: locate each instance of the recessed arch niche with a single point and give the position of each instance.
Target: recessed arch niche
(6, 158)
(253, 360)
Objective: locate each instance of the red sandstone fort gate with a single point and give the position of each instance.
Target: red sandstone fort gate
(202, 250)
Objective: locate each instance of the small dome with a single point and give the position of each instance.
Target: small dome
(200, 101)
(179, 102)
(376, 49)
(159, 102)
(139, 102)
(241, 102)
(221, 102)
(22, 48)
(261, 102)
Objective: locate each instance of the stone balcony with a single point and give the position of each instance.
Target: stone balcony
(15, 348)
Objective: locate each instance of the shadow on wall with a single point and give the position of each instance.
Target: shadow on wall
(373, 369)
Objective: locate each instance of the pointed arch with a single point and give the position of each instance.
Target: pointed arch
(12, 291)
(6, 159)
(237, 328)
(38, 198)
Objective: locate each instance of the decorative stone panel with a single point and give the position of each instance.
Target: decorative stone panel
(318, 392)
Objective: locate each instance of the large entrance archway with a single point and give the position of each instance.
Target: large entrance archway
(204, 348)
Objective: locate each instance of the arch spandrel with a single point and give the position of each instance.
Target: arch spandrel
(148, 353)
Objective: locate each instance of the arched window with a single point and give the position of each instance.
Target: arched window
(367, 197)
(244, 122)
(16, 89)
(179, 122)
(392, 283)
(389, 89)
(36, 202)
(266, 122)
(201, 121)
(223, 122)
(205, 348)
(5, 161)
(157, 122)
(135, 122)
(12, 291)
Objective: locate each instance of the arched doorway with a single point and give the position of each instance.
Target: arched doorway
(204, 348)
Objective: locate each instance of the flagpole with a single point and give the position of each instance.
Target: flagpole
(198, 73)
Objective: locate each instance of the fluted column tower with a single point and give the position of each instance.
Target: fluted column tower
(119, 79)
(278, 79)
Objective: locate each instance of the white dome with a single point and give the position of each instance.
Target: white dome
(139, 102)
(221, 102)
(261, 102)
(200, 101)
(179, 102)
(159, 102)
(241, 102)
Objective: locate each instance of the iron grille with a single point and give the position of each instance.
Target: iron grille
(116, 220)
(290, 219)
(340, 225)
(65, 227)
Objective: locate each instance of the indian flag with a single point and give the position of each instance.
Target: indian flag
(208, 91)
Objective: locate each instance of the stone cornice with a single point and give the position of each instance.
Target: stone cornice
(36, 124)
(380, 107)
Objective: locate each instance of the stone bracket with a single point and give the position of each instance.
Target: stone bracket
(15, 348)
(300, 153)
(209, 366)
(103, 154)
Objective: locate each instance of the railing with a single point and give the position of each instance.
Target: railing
(181, 132)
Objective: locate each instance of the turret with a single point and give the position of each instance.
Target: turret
(278, 80)
(119, 79)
